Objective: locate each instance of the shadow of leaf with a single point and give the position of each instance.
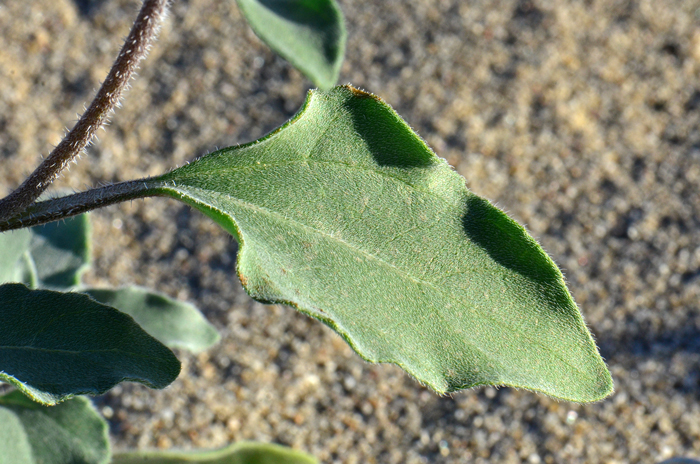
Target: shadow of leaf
(506, 242)
(386, 135)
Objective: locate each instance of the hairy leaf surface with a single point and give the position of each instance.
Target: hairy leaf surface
(175, 323)
(240, 453)
(346, 214)
(69, 433)
(56, 345)
(309, 33)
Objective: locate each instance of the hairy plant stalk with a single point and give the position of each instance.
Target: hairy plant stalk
(143, 34)
(71, 205)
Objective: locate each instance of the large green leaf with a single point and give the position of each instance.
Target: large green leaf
(240, 453)
(56, 345)
(70, 433)
(309, 33)
(345, 214)
(175, 323)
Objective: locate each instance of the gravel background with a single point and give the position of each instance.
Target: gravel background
(580, 118)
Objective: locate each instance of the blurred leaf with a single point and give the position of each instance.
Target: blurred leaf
(70, 433)
(61, 251)
(309, 33)
(26, 272)
(175, 323)
(240, 453)
(54, 255)
(14, 442)
(56, 345)
(14, 246)
(346, 214)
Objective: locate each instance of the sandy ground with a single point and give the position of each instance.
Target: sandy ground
(580, 118)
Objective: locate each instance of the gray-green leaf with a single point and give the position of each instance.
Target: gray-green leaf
(346, 214)
(54, 255)
(56, 345)
(175, 323)
(61, 251)
(309, 33)
(69, 433)
(14, 253)
(240, 453)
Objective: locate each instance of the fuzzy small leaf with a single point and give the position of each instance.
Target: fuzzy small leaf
(56, 345)
(345, 214)
(54, 255)
(240, 453)
(25, 271)
(14, 249)
(69, 433)
(309, 33)
(61, 252)
(175, 323)
(14, 442)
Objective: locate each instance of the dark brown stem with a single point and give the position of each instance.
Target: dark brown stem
(72, 205)
(135, 49)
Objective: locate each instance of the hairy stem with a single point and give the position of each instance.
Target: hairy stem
(135, 49)
(71, 205)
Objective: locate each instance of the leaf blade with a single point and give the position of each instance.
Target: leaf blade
(53, 255)
(71, 432)
(174, 323)
(57, 345)
(14, 442)
(310, 34)
(13, 247)
(61, 252)
(345, 214)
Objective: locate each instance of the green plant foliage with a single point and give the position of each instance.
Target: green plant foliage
(56, 345)
(310, 34)
(13, 440)
(16, 264)
(240, 453)
(346, 214)
(72, 432)
(56, 255)
(53, 255)
(174, 323)
(61, 252)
